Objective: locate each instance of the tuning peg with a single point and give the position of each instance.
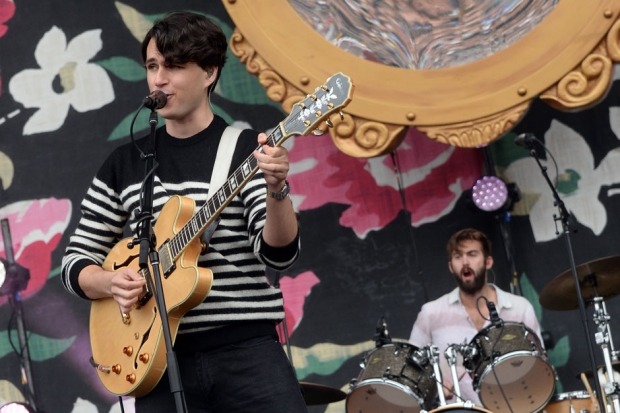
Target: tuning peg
(329, 123)
(318, 132)
(341, 115)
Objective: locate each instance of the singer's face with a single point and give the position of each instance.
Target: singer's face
(469, 266)
(185, 86)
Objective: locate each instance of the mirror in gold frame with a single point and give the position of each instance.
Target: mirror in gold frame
(566, 59)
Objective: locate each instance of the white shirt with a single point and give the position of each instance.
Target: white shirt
(445, 321)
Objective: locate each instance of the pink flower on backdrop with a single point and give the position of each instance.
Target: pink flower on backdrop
(7, 10)
(434, 177)
(36, 229)
(295, 290)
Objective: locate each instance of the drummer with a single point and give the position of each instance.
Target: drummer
(455, 317)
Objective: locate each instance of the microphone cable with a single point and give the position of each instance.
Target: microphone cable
(501, 331)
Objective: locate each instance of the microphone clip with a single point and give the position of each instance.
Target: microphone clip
(382, 336)
(493, 315)
(525, 140)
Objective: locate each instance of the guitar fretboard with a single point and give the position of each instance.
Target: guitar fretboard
(218, 201)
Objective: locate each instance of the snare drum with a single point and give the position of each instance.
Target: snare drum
(459, 408)
(392, 380)
(577, 401)
(510, 354)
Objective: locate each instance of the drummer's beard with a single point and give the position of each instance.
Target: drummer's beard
(472, 287)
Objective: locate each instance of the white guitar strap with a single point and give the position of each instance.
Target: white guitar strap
(223, 159)
(221, 166)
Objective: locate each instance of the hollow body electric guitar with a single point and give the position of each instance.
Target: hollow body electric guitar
(129, 350)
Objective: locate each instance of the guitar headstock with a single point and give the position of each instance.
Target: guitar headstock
(307, 114)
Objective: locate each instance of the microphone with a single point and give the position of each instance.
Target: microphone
(495, 320)
(525, 140)
(382, 336)
(156, 100)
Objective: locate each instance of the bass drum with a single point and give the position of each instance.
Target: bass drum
(459, 408)
(392, 380)
(577, 401)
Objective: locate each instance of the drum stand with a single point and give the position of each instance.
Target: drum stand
(450, 354)
(432, 352)
(605, 341)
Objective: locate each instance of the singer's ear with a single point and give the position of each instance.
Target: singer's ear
(210, 71)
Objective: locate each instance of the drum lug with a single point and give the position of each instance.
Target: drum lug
(419, 359)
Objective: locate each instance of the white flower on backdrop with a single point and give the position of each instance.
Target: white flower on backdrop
(65, 79)
(84, 406)
(579, 183)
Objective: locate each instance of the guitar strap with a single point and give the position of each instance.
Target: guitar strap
(221, 166)
(223, 159)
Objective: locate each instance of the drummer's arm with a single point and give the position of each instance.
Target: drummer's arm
(531, 322)
(421, 334)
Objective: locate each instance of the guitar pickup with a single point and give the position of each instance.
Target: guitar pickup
(166, 259)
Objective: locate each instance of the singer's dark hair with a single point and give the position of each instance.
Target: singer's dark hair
(183, 37)
(468, 234)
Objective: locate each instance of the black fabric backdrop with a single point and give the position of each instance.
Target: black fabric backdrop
(391, 272)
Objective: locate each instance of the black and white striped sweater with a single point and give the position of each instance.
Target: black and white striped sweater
(237, 254)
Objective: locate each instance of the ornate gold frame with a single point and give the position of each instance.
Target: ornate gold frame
(567, 61)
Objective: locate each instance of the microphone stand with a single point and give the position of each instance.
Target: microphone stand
(15, 300)
(148, 251)
(564, 219)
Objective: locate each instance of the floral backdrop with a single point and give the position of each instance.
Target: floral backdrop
(373, 230)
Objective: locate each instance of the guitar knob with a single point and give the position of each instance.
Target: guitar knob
(144, 358)
(126, 318)
(329, 123)
(116, 369)
(318, 132)
(341, 115)
(128, 350)
(131, 378)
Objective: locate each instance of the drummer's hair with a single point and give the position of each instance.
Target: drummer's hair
(468, 234)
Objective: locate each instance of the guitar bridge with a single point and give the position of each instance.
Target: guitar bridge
(146, 290)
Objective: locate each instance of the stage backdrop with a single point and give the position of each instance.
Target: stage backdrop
(71, 79)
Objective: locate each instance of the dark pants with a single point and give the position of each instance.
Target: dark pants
(248, 377)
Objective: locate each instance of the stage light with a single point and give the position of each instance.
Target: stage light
(13, 278)
(491, 194)
(16, 408)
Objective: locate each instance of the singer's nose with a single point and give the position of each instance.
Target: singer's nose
(160, 78)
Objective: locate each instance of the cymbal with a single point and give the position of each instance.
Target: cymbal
(597, 278)
(318, 394)
(615, 365)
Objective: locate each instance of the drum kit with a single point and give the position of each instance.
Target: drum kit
(508, 365)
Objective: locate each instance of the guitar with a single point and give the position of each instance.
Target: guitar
(129, 350)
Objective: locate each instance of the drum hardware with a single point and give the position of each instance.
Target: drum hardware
(450, 354)
(597, 282)
(433, 356)
(603, 339)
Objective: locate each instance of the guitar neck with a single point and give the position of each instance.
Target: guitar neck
(220, 199)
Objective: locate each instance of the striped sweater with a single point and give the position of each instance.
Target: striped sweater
(237, 254)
